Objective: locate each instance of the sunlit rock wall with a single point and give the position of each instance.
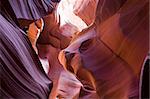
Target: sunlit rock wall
(113, 48)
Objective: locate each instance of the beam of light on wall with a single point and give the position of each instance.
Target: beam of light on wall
(65, 10)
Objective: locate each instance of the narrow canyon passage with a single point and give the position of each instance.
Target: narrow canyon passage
(74, 49)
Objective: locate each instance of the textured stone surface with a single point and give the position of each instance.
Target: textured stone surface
(93, 49)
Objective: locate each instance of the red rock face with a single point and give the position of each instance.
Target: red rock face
(94, 49)
(105, 43)
(114, 56)
(125, 36)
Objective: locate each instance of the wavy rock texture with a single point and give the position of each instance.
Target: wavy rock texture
(106, 51)
(90, 49)
(113, 49)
